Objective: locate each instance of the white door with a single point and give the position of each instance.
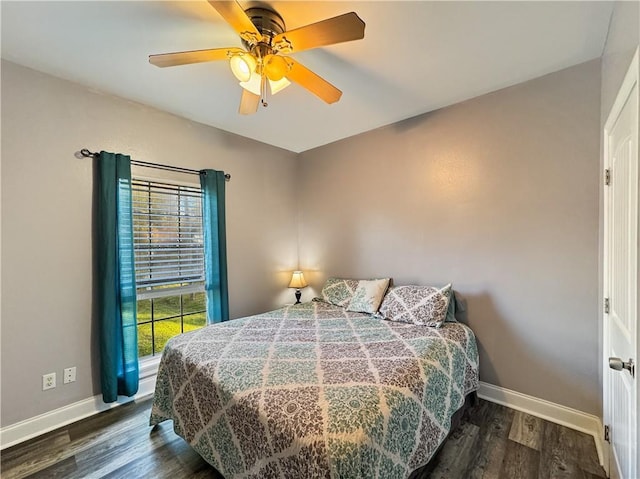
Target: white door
(621, 279)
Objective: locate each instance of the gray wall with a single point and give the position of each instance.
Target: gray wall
(46, 223)
(622, 41)
(498, 195)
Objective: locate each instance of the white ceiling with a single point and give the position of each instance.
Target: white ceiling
(416, 56)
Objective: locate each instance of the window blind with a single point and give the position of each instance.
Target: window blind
(167, 234)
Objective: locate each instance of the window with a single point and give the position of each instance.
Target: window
(169, 262)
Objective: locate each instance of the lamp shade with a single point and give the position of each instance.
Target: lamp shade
(242, 65)
(297, 280)
(254, 84)
(277, 86)
(276, 67)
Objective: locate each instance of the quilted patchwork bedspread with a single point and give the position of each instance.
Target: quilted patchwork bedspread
(314, 391)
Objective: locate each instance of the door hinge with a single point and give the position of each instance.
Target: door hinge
(606, 434)
(607, 177)
(606, 305)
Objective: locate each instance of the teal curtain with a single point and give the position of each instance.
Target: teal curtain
(215, 245)
(116, 278)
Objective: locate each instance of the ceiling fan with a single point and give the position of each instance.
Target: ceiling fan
(263, 61)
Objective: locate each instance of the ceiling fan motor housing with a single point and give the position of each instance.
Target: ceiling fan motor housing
(269, 23)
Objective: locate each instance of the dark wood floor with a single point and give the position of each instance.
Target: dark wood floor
(491, 442)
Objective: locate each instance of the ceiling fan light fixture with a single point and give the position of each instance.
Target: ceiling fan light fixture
(276, 67)
(278, 86)
(242, 65)
(254, 84)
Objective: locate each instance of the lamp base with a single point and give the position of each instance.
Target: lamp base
(298, 294)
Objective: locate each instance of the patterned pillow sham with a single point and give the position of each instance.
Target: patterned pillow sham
(339, 291)
(451, 309)
(421, 305)
(368, 295)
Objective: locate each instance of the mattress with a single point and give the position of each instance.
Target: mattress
(315, 391)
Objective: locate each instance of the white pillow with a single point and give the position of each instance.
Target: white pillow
(368, 295)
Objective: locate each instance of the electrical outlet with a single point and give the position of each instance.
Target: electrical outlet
(48, 381)
(69, 375)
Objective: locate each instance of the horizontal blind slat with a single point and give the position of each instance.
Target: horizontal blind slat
(168, 273)
(142, 260)
(167, 247)
(166, 282)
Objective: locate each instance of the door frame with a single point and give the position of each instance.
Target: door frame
(632, 77)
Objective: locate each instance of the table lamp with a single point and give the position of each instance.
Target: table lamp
(298, 282)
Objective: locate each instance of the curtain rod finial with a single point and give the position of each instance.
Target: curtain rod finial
(87, 154)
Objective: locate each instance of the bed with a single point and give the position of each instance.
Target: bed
(315, 391)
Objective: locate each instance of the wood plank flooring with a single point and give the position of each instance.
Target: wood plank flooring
(492, 442)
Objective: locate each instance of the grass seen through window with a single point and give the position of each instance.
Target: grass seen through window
(160, 319)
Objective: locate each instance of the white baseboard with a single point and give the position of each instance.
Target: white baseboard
(49, 421)
(556, 413)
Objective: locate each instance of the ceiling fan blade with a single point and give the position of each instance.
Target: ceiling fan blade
(343, 28)
(312, 82)
(248, 103)
(194, 56)
(235, 16)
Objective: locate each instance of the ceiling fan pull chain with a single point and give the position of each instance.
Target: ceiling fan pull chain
(263, 91)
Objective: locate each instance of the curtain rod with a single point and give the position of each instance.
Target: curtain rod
(87, 154)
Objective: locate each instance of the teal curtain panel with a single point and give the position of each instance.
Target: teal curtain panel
(116, 282)
(215, 245)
